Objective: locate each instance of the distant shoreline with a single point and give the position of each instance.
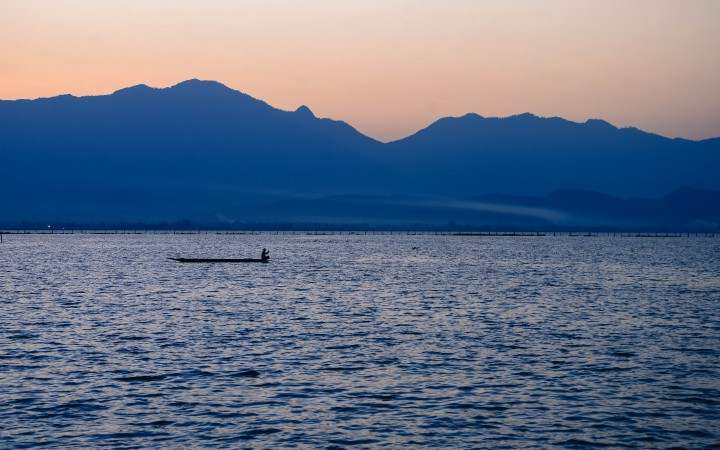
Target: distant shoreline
(337, 231)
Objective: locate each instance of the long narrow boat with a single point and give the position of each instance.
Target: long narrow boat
(221, 260)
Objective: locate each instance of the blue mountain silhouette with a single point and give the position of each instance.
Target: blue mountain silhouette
(528, 154)
(203, 151)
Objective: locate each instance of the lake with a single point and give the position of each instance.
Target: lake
(352, 340)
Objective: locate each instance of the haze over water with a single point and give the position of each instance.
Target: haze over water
(439, 342)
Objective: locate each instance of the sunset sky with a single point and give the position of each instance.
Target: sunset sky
(388, 67)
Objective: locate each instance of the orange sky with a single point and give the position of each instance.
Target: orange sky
(388, 67)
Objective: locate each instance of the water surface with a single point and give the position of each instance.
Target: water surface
(392, 341)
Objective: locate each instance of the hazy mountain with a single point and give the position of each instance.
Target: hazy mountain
(197, 129)
(203, 151)
(145, 153)
(528, 154)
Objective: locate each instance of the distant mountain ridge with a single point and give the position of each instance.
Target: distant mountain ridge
(201, 150)
(527, 154)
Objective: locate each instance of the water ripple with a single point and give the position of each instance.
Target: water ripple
(359, 341)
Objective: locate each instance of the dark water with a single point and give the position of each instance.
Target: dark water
(394, 341)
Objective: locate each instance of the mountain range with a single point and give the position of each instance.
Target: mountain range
(204, 152)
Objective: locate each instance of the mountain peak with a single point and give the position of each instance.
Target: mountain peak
(525, 115)
(137, 89)
(304, 111)
(192, 85)
(471, 116)
(196, 84)
(599, 123)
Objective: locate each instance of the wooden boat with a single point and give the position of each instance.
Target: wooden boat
(221, 260)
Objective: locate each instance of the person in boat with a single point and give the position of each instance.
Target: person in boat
(265, 255)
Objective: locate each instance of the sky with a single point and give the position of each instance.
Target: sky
(388, 67)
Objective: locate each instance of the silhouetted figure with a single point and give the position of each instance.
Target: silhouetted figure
(265, 255)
